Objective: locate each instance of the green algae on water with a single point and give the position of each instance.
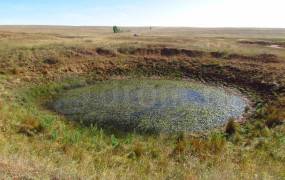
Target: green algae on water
(151, 106)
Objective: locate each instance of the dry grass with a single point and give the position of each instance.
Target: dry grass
(37, 59)
(274, 117)
(30, 126)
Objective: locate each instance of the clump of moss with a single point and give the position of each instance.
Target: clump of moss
(30, 126)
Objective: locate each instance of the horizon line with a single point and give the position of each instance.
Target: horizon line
(134, 26)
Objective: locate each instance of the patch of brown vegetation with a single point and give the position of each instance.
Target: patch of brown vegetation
(4, 35)
(218, 54)
(14, 171)
(263, 73)
(161, 52)
(180, 145)
(30, 126)
(204, 148)
(80, 52)
(139, 51)
(169, 52)
(231, 127)
(274, 116)
(264, 58)
(87, 52)
(263, 43)
(105, 52)
(244, 71)
(51, 60)
(16, 71)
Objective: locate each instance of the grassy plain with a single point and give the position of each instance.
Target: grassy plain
(37, 62)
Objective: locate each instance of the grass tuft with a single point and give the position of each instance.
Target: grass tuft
(216, 143)
(137, 151)
(274, 117)
(232, 127)
(180, 145)
(30, 126)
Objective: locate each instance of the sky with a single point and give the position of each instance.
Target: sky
(182, 13)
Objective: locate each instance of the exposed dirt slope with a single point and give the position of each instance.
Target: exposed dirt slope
(264, 72)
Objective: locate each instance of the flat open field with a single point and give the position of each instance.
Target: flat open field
(39, 62)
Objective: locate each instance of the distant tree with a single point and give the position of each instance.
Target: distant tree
(116, 29)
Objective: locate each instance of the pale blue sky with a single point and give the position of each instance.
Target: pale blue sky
(198, 13)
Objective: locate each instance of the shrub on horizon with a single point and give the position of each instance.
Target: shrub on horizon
(116, 29)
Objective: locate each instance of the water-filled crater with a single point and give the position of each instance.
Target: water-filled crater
(144, 105)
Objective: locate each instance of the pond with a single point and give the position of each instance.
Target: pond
(151, 106)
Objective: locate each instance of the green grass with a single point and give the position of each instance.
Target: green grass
(65, 149)
(36, 143)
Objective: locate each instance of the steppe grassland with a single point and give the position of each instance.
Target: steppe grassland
(40, 144)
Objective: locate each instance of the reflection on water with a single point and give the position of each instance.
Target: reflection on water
(150, 105)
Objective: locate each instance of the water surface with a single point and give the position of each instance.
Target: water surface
(151, 105)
